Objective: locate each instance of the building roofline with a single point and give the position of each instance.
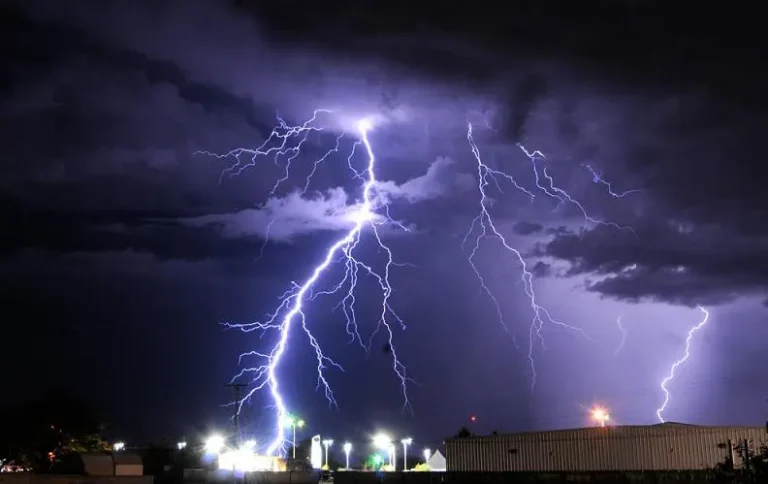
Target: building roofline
(615, 428)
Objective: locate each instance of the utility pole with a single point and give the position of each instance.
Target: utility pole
(236, 387)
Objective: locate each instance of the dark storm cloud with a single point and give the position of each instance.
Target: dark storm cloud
(118, 231)
(114, 118)
(112, 125)
(527, 228)
(699, 217)
(706, 265)
(120, 113)
(524, 96)
(541, 269)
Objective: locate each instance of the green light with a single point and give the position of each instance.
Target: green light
(291, 420)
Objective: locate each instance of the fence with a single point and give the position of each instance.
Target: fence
(30, 478)
(656, 477)
(199, 476)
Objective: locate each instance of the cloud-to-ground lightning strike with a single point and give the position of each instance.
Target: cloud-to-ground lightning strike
(623, 330)
(291, 309)
(485, 227)
(671, 375)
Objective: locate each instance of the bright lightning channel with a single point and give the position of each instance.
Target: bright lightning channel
(623, 330)
(671, 375)
(484, 227)
(291, 309)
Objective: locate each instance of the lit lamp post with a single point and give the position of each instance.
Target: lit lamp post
(406, 443)
(327, 444)
(214, 444)
(181, 445)
(600, 415)
(383, 442)
(427, 454)
(118, 446)
(347, 450)
(293, 422)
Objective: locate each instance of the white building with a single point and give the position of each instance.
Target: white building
(436, 462)
(668, 446)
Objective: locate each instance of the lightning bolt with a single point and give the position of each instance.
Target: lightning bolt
(285, 141)
(598, 178)
(484, 227)
(671, 375)
(620, 324)
(551, 190)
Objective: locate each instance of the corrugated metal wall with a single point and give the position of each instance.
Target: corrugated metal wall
(636, 448)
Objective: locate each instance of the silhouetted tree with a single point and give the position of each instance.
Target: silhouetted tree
(754, 465)
(41, 432)
(303, 449)
(463, 433)
(755, 462)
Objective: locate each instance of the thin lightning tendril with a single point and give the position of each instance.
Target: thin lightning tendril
(483, 227)
(623, 330)
(598, 178)
(671, 375)
(285, 141)
(551, 190)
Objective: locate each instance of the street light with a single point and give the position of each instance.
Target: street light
(214, 444)
(384, 442)
(118, 446)
(600, 415)
(406, 442)
(427, 454)
(181, 445)
(347, 450)
(327, 443)
(293, 422)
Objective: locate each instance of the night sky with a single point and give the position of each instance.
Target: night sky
(123, 250)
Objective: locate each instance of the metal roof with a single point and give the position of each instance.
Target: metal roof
(669, 446)
(611, 430)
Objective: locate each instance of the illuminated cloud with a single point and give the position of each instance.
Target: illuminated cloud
(440, 180)
(296, 214)
(281, 219)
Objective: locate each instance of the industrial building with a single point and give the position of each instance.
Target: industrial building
(663, 447)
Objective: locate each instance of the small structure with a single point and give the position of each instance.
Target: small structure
(436, 462)
(112, 464)
(128, 464)
(98, 464)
